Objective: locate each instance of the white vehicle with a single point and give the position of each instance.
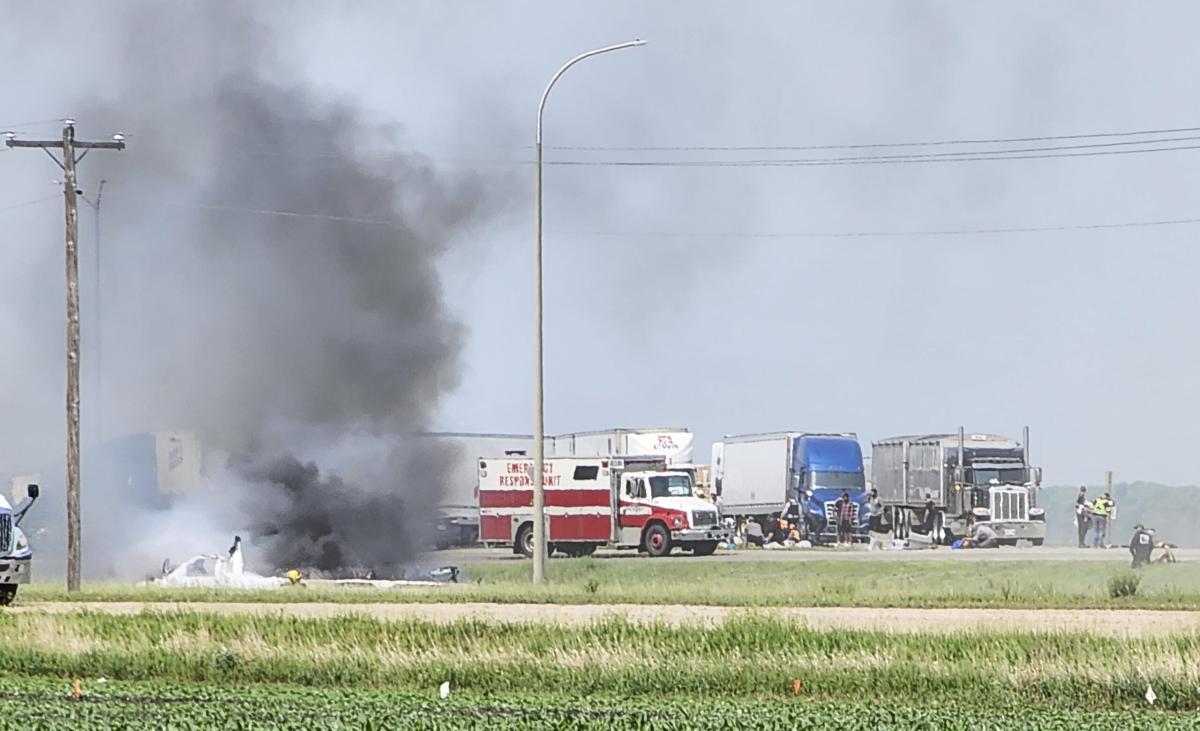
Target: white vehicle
(458, 509)
(672, 444)
(16, 558)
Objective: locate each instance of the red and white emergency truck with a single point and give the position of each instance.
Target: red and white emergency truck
(590, 502)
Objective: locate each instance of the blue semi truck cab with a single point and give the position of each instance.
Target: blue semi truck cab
(823, 467)
(755, 474)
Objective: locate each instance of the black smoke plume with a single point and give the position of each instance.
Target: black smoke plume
(271, 281)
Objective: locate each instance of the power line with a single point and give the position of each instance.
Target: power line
(1010, 151)
(965, 155)
(881, 160)
(862, 146)
(15, 206)
(748, 148)
(695, 235)
(890, 234)
(1031, 153)
(258, 211)
(29, 124)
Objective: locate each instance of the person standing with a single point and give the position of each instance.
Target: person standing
(875, 521)
(1099, 517)
(1141, 545)
(1082, 521)
(928, 517)
(844, 510)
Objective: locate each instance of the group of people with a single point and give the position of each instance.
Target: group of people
(792, 527)
(1093, 515)
(1096, 515)
(781, 533)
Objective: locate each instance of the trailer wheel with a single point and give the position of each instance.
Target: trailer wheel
(524, 542)
(704, 548)
(1037, 541)
(8, 592)
(657, 540)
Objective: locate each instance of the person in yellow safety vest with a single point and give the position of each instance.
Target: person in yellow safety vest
(1100, 510)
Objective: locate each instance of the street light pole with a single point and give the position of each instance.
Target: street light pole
(539, 430)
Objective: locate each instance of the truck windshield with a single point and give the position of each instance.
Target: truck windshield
(1003, 475)
(837, 481)
(670, 486)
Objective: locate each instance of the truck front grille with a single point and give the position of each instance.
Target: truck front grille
(704, 518)
(6, 532)
(1010, 505)
(831, 516)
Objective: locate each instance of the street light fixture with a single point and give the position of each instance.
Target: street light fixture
(539, 430)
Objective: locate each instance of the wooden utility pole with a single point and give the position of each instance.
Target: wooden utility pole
(69, 146)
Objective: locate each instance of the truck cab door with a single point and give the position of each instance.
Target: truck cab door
(632, 510)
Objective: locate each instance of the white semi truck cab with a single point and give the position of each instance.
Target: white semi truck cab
(16, 558)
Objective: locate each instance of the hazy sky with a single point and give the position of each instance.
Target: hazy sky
(674, 314)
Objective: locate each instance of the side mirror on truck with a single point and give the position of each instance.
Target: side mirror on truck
(1037, 476)
(19, 512)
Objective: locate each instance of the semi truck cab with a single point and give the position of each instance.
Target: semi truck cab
(16, 557)
(824, 467)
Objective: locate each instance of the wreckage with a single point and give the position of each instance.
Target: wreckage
(213, 571)
(210, 571)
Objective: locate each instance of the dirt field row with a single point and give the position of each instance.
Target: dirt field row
(1124, 623)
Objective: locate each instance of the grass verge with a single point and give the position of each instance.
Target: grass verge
(916, 584)
(745, 658)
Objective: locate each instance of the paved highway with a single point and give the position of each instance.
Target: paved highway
(858, 553)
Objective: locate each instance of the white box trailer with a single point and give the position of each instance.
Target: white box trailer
(754, 473)
(675, 444)
(458, 509)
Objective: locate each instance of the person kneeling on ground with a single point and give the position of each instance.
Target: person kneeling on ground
(754, 533)
(1141, 545)
(981, 536)
(779, 534)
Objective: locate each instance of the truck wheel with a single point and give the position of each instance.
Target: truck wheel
(8, 592)
(1037, 541)
(707, 548)
(657, 540)
(524, 542)
(939, 529)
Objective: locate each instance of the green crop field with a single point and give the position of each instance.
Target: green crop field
(765, 583)
(232, 670)
(51, 705)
